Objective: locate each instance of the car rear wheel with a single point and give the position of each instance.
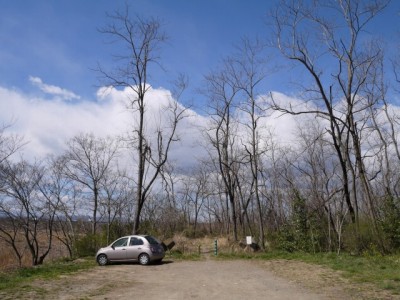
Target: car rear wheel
(102, 260)
(144, 259)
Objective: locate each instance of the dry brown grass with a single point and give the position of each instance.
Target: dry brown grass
(9, 260)
(204, 245)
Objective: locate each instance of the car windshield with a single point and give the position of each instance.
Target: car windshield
(152, 240)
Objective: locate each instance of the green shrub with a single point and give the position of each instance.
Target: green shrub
(390, 223)
(88, 244)
(117, 229)
(301, 232)
(360, 239)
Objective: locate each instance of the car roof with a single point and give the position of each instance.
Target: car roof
(134, 235)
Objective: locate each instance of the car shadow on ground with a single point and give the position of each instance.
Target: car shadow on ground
(164, 262)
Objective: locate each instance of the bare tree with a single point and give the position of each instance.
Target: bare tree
(9, 143)
(221, 90)
(11, 228)
(173, 211)
(318, 175)
(249, 70)
(384, 148)
(10, 231)
(141, 39)
(386, 122)
(196, 191)
(27, 210)
(306, 35)
(88, 162)
(61, 194)
(114, 199)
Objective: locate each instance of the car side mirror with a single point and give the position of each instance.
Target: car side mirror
(113, 247)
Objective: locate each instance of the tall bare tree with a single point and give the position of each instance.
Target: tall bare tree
(221, 89)
(141, 39)
(249, 69)
(308, 34)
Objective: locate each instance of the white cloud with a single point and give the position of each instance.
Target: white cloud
(53, 90)
(47, 125)
(285, 126)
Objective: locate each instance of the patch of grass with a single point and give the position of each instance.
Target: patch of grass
(382, 271)
(52, 270)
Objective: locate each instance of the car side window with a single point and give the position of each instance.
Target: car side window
(121, 242)
(135, 242)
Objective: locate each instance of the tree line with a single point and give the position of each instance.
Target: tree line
(334, 188)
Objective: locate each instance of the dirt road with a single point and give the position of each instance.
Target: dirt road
(206, 279)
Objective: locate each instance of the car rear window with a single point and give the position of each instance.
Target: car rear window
(151, 240)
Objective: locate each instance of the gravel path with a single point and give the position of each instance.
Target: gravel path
(205, 279)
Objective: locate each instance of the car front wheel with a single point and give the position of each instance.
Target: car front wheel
(102, 260)
(144, 259)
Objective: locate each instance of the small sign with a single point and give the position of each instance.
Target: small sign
(249, 240)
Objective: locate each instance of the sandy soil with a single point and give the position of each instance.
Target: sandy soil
(206, 279)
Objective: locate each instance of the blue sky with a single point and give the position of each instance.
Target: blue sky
(58, 41)
(49, 49)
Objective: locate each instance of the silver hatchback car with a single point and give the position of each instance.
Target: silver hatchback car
(141, 248)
